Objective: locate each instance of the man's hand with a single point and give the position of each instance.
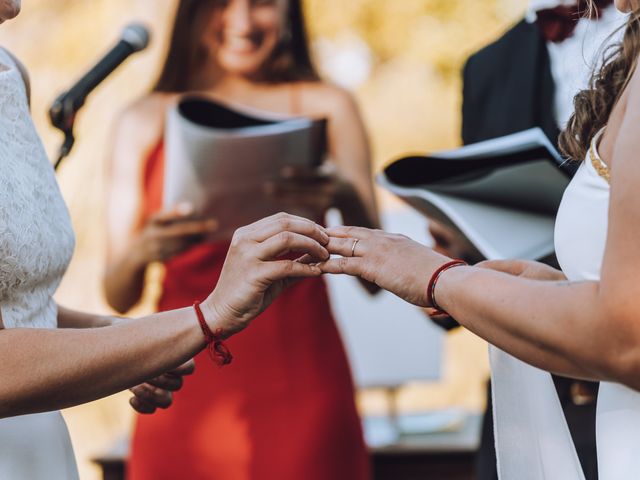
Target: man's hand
(446, 242)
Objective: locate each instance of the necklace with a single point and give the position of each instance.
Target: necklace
(601, 168)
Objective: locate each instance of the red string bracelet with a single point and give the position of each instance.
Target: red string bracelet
(217, 349)
(431, 287)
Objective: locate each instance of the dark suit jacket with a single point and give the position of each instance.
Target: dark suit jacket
(508, 87)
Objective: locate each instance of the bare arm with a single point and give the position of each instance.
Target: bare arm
(52, 369)
(350, 149)
(594, 326)
(134, 134)
(541, 322)
(580, 329)
(156, 392)
(45, 370)
(68, 318)
(135, 241)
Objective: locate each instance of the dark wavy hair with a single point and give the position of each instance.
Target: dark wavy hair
(290, 61)
(593, 106)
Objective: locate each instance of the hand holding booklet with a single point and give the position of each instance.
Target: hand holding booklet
(218, 157)
(499, 196)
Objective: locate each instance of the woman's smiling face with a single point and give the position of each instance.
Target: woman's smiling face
(244, 33)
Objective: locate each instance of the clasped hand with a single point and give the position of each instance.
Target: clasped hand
(259, 266)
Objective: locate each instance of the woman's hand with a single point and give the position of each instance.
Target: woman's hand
(316, 190)
(158, 392)
(525, 269)
(393, 262)
(256, 269)
(169, 233)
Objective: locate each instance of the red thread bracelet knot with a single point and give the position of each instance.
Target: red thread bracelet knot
(216, 347)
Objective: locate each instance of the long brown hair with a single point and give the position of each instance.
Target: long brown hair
(593, 106)
(290, 61)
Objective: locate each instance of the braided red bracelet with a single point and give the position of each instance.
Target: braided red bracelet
(217, 349)
(431, 287)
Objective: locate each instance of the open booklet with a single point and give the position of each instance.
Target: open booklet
(500, 196)
(218, 157)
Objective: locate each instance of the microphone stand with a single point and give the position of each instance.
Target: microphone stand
(135, 37)
(63, 114)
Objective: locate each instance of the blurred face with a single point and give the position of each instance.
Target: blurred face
(242, 34)
(9, 9)
(627, 5)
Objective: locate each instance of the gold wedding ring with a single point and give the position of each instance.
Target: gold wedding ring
(353, 247)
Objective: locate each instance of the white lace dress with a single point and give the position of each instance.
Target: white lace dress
(532, 437)
(36, 244)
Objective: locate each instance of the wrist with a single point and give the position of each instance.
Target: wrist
(216, 319)
(214, 339)
(447, 284)
(434, 282)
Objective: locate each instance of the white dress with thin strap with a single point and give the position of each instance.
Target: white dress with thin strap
(532, 437)
(36, 244)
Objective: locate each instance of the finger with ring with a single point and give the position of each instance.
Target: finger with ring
(353, 247)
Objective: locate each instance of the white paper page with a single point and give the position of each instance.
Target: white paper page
(222, 172)
(516, 142)
(499, 233)
(496, 232)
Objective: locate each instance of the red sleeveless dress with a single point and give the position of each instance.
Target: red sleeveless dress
(283, 410)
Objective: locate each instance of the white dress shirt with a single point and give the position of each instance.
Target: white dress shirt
(574, 60)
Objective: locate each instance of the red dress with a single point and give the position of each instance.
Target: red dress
(283, 410)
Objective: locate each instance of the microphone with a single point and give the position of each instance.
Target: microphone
(135, 37)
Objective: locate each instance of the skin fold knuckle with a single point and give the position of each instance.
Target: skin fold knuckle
(284, 223)
(238, 238)
(289, 268)
(280, 217)
(343, 263)
(286, 239)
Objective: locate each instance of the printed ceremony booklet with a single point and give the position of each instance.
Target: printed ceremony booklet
(218, 157)
(500, 196)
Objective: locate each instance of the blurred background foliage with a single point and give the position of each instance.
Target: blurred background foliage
(402, 59)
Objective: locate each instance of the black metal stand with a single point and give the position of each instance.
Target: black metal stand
(63, 114)
(65, 148)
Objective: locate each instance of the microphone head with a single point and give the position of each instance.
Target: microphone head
(136, 35)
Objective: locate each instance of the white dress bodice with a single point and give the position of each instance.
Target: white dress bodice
(35, 230)
(532, 437)
(36, 244)
(581, 235)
